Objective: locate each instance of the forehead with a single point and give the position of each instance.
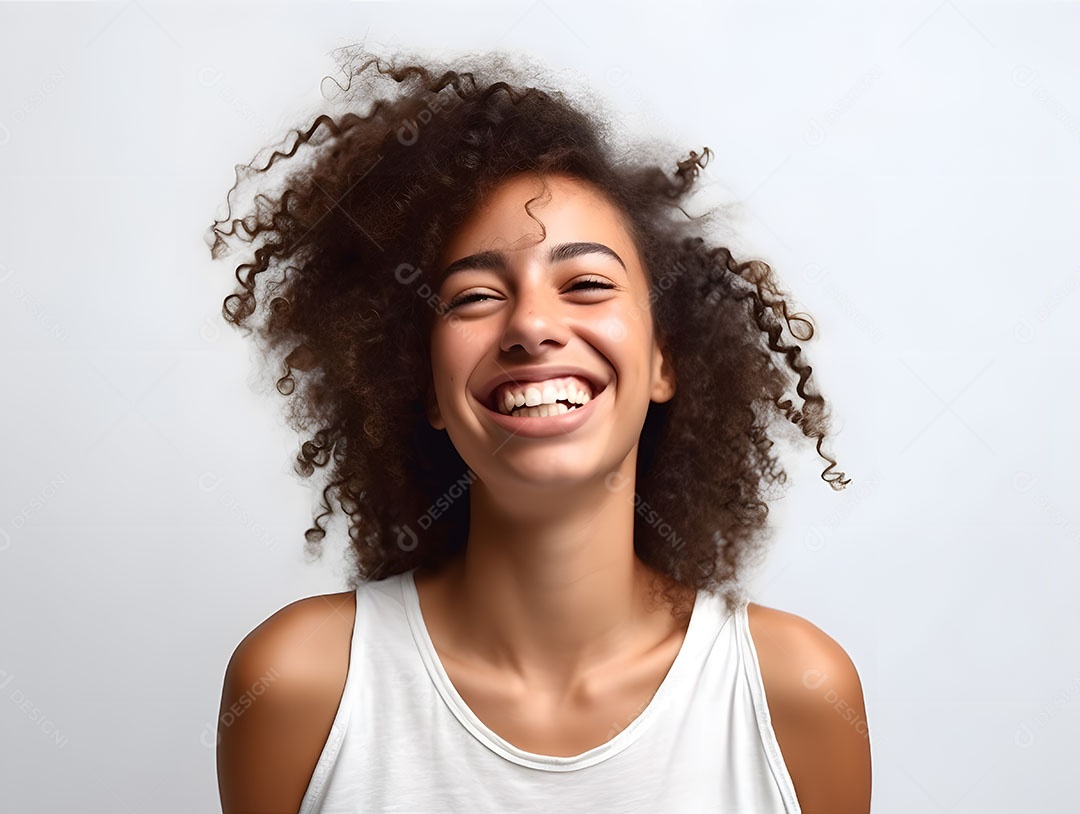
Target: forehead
(569, 208)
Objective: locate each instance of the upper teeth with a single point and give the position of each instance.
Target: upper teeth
(510, 395)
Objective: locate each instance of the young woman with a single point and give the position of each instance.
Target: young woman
(546, 408)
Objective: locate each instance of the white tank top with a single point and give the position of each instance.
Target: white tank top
(404, 740)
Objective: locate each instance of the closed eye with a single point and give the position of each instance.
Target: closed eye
(592, 284)
(588, 284)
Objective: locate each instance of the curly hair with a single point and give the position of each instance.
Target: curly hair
(344, 312)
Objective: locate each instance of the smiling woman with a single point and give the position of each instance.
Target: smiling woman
(552, 444)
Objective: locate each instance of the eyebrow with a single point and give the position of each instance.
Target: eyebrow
(496, 261)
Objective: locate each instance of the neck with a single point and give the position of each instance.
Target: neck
(547, 596)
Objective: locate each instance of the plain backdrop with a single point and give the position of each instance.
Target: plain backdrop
(910, 171)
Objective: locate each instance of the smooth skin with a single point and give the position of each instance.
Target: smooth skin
(543, 623)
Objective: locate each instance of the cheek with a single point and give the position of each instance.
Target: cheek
(622, 324)
(440, 373)
(623, 340)
(613, 330)
(449, 365)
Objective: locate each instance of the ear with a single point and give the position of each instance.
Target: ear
(433, 413)
(663, 376)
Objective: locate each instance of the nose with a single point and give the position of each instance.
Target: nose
(536, 315)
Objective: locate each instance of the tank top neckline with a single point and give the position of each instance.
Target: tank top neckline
(696, 633)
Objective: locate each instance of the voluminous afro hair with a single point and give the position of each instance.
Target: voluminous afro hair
(333, 291)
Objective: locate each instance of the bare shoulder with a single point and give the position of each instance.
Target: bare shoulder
(281, 692)
(818, 713)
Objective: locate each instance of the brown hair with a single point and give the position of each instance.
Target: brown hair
(332, 294)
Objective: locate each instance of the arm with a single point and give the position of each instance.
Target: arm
(816, 704)
(281, 692)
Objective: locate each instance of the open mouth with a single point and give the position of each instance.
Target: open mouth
(543, 399)
(560, 407)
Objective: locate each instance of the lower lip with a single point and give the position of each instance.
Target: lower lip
(545, 426)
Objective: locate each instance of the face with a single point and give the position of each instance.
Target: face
(527, 311)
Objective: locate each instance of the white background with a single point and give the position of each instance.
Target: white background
(911, 173)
